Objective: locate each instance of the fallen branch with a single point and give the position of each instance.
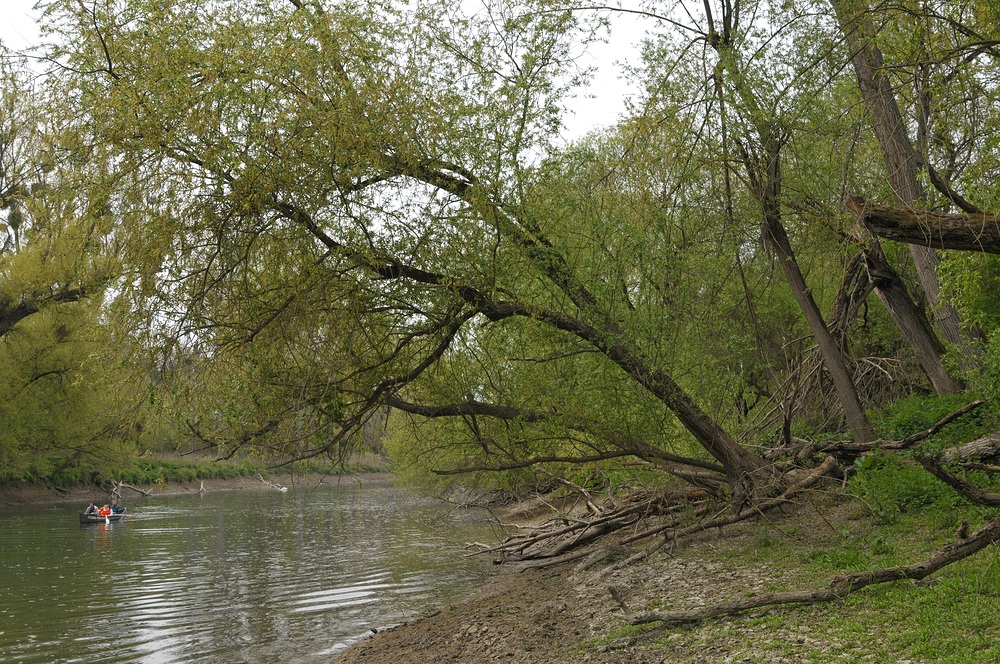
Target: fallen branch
(271, 484)
(840, 586)
(989, 468)
(986, 447)
(965, 489)
(909, 441)
(965, 232)
(729, 518)
(116, 488)
(564, 534)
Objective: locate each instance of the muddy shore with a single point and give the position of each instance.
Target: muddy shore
(566, 614)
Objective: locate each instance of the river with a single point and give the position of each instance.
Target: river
(241, 576)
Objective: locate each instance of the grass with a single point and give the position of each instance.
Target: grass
(953, 616)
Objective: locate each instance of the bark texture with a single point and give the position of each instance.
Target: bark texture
(963, 232)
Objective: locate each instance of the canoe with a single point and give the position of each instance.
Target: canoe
(95, 518)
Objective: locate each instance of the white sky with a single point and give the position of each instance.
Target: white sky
(17, 23)
(18, 30)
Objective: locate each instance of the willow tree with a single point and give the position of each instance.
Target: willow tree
(354, 179)
(55, 410)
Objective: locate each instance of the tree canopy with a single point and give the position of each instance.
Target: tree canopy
(301, 218)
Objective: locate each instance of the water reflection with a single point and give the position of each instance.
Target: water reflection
(235, 577)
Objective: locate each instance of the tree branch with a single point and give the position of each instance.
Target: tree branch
(840, 586)
(965, 489)
(909, 441)
(964, 232)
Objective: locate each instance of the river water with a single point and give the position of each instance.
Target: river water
(242, 576)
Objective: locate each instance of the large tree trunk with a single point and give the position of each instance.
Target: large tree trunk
(901, 159)
(750, 477)
(964, 232)
(764, 173)
(767, 189)
(909, 319)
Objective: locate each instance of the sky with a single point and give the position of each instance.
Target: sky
(18, 30)
(17, 23)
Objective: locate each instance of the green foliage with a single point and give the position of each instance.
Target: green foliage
(890, 484)
(918, 413)
(310, 213)
(161, 471)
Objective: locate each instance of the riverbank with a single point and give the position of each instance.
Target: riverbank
(83, 494)
(567, 614)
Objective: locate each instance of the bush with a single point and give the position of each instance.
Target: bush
(918, 413)
(891, 484)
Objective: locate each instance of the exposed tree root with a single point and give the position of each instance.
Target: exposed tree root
(840, 586)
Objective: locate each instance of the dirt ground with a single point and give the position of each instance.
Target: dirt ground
(566, 614)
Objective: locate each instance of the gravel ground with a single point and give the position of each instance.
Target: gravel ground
(566, 614)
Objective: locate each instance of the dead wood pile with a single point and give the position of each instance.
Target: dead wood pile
(666, 517)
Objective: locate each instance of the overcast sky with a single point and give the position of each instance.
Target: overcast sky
(17, 25)
(18, 30)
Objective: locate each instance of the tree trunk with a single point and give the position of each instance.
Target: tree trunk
(767, 189)
(963, 232)
(901, 160)
(909, 319)
(764, 173)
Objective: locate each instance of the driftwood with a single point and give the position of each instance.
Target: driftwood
(271, 484)
(560, 535)
(828, 466)
(562, 540)
(840, 586)
(117, 486)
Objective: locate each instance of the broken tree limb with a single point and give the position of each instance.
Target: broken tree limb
(828, 466)
(964, 232)
(840, 586)
(271, 484)
(965, 489)
(117, 486)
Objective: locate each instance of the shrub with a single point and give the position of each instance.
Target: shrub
(890, 484)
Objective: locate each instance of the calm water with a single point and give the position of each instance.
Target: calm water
(248, 576)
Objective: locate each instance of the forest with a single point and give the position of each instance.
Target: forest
(294, 230)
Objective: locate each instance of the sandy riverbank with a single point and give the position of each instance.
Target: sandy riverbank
(567, 615)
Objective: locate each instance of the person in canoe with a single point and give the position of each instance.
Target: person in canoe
(104, 511)
(116, 508)
(91, 509)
